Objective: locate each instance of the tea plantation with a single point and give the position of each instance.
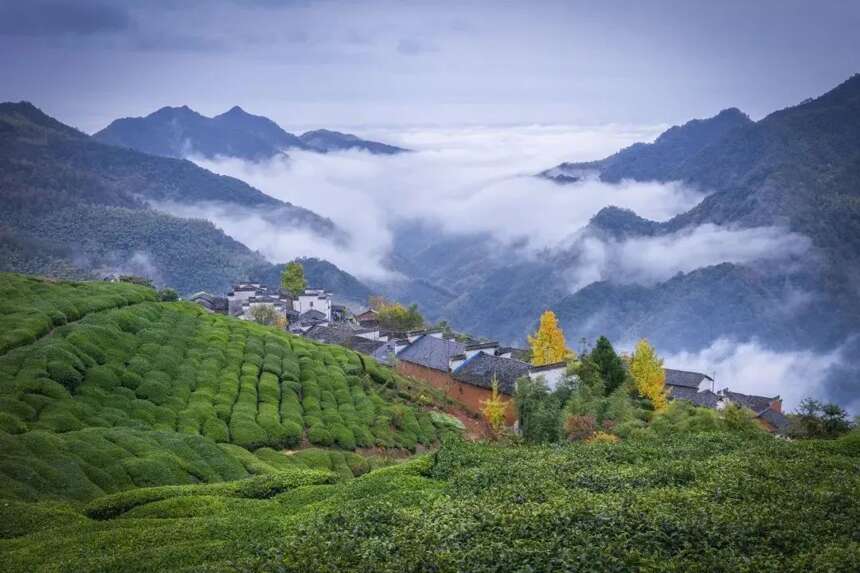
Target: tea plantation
(147, 436)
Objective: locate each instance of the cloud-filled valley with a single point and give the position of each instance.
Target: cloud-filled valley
(478, 183)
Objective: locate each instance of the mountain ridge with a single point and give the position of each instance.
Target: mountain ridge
(75, 207)
(180, 131)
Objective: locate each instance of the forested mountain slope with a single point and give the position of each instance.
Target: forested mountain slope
(72, 206)
(797, 170)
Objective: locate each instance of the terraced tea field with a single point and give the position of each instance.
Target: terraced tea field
(103, 389)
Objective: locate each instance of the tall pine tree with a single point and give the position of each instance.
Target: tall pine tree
(610, 364)
(548, 345)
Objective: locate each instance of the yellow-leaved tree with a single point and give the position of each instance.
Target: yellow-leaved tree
(548, 345)
(646, 368)
(494, 408)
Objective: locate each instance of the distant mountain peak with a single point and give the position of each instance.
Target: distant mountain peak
(324, 140)
(34, 119)
(180, 131)
(658, 160)
(620, 222)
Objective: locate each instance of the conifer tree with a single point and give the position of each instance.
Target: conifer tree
(611, 367)
(646, 368)
(548, 345)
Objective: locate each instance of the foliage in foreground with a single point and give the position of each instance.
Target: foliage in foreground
(693, 502)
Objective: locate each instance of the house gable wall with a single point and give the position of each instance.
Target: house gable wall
(470, 396)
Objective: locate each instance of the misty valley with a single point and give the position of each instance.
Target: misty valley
(260, 329)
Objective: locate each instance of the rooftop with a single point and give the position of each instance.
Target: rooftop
(685, 378)
(755, 403)
(431, 352)
(481, 369)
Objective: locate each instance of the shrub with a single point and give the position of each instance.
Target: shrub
(12, 424)
(603, 438)
(579, 427)
(320, 436)
(343, 436)
(65, 374)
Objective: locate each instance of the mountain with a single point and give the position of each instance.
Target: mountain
(75, 207)
(656, 161)
(180, 131)
(797, 170)
(323, 140)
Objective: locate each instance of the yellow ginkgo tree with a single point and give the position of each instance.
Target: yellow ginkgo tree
(646, 368)
(494, 407)
(547, 344)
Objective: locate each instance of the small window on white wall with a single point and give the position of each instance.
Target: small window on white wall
(312, 304)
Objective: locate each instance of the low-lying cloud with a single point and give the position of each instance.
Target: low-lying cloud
(466, 181)
(751, 368)
(648, 260)
(479, 181)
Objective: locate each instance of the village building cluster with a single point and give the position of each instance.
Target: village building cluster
(465, 370)
(303, 311)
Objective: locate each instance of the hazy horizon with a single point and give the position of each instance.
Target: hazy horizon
(334, 63)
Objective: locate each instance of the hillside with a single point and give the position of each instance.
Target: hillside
(324, 140)
(75, 207)
(796, 169)
(180, 131)
(658, 160)
(104, 365)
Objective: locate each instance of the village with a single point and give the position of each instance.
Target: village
(468, 370)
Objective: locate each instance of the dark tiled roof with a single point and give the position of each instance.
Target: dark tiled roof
(312, 315)
(363, 345)
(779, 421)
(518, 353)
(705, 398)
(431, 352)
(210, 302)
(332, 334)
(481, 345)
(754, 403)
(684, 378)
(481, 368)
(545, 367)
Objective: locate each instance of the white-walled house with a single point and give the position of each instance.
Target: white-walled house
(552, 374)
(313, 299)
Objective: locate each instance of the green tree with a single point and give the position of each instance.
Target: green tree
(168, 295)
(609, 363)
(739, 419)
(265, 314)
(538, 411)
(395, 316)
(293, 278)
(814, 419)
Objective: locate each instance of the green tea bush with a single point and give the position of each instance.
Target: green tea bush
(256, 487)
(319, 435)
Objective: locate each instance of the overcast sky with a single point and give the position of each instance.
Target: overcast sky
(341, 63)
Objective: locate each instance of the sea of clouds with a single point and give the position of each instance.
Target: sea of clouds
(479, 180)
(472, 180)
